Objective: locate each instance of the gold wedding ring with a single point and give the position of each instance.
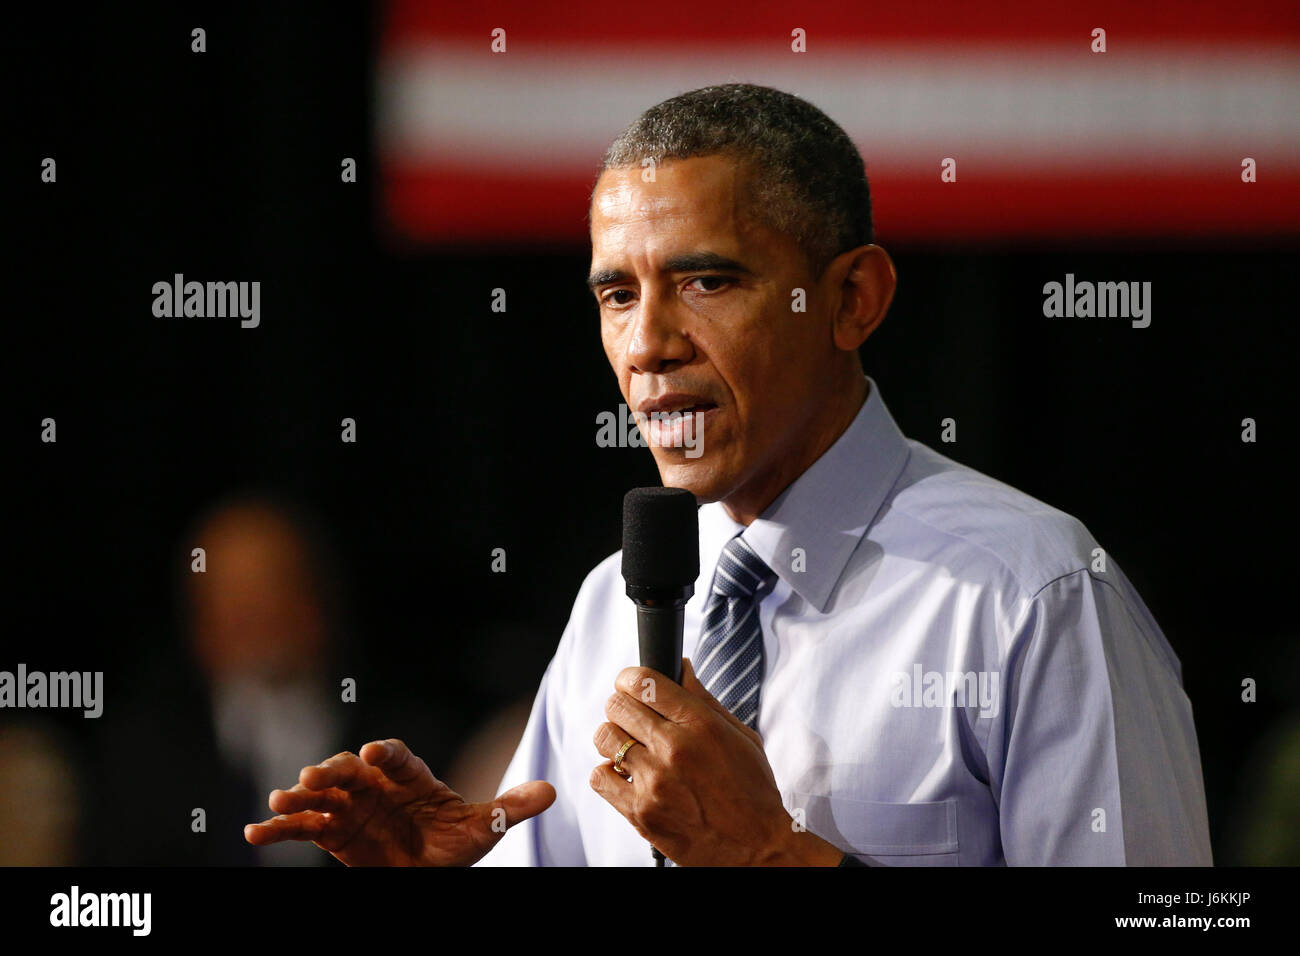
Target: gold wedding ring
(622, 752)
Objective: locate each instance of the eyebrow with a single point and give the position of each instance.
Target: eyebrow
(685, 262)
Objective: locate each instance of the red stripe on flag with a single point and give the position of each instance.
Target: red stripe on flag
(675, 23)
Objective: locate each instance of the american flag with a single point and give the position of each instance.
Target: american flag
(1048, 136)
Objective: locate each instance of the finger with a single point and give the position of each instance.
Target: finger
(301, 798)
(615, 791)
(297, 826)
(609, 739)
(524, 801)
(691, 684)
(396, 761)
(345, 771)
(657, 692)
(637, 720)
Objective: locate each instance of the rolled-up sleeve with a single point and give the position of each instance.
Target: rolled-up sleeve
(1094, 760)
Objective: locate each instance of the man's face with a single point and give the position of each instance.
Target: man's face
(695, 312)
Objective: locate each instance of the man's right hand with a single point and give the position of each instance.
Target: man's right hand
(385, 808)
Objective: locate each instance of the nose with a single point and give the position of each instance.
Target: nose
(658, 342)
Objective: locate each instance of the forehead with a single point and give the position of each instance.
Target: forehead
(704, 195)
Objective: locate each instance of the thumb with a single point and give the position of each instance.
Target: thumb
(524, 801)
(692, 684)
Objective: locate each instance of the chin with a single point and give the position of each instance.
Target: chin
(700, 479)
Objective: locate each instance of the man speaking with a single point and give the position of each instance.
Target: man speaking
(892, 659)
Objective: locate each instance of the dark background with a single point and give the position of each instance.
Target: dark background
(475, 429)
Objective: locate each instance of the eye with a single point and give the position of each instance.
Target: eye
(724, 280)
(608, 298)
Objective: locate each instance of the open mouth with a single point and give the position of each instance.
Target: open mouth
(688, 410)
(682, 427)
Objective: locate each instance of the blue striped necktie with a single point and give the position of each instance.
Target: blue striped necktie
(729, 658)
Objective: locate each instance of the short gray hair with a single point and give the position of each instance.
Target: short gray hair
(809, 180)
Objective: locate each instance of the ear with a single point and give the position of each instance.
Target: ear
(867, 281)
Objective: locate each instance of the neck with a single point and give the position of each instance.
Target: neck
(749, 501)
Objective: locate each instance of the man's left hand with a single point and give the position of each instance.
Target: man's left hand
(699, 788)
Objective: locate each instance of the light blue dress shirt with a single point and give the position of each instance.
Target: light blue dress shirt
(955, 674)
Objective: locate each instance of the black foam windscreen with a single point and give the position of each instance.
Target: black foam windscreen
(661, 538)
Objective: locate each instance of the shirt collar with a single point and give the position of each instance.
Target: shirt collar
(825, 511)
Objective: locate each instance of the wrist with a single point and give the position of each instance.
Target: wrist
(799, 847)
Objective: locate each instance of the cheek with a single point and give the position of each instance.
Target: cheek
(767, 392)
(613, 352)
(755, 361)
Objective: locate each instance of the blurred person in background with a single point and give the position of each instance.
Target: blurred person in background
(39, 813)
(261, 633)
(250, 693)
(1264, 820)
(1266, 824)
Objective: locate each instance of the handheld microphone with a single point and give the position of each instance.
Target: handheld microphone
(661, 560)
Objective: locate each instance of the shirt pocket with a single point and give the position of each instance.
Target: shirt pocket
(886, 834)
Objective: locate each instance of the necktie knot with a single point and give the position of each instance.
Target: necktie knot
(741, 573)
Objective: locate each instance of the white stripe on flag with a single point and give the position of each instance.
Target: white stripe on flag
(1006, 106)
